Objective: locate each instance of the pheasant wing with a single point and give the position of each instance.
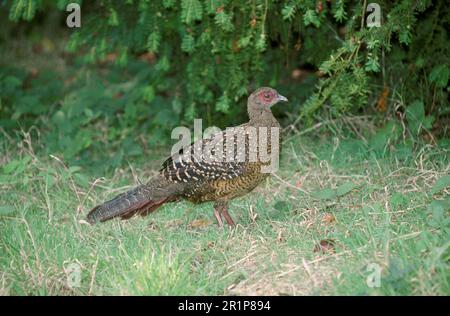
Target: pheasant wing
(208, 159)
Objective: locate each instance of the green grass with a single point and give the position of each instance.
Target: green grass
(385, 207)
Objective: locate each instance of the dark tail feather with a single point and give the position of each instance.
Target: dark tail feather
(143, 200)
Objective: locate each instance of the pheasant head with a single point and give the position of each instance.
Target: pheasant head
(261, 100)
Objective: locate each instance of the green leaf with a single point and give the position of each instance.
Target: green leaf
(177, 106)
(188, 44)
(22, 8)
(245, 41)
(261, 43)
(440, 184)
(81, 179)
(11, 166)
(30, 10)
(223, 20)
(428, 121)
(405, 36)
(148, 93)
(11, 83)
(191, 10)
(50, 180)
(122, 60)
(213, 5)
(439, 75)
(345, 188)
(74, 169)
(310, 17)
(282, 206)
(384, 136)
(398, 200)
(289, 11)
(325, 194)
(16, 10)
(415, 115)
(6, 210)
(167, 4)
(113, 17)
(372, 64)
(339, 11)
(153, 41)
(16, 166)
(223, 104)
(438, 209)
(163, 64)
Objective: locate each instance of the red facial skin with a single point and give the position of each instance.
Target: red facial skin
(266, 97)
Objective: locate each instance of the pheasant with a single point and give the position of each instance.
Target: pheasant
(197, 176)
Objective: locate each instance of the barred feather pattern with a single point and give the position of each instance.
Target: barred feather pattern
(141, 200)
(208, 175)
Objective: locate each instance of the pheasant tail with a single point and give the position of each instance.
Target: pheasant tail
(141, 200)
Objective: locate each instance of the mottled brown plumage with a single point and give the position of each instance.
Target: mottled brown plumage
(208, 170)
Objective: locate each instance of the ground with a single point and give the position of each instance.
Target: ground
(333, 216)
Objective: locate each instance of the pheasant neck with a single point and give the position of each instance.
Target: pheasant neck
(260, 116)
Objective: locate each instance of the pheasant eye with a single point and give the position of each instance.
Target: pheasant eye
(267, 96)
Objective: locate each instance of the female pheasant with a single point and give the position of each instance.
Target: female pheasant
(225, 171)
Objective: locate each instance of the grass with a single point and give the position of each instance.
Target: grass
(386, 209)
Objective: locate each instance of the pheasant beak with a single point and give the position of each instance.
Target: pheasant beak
(282, 98)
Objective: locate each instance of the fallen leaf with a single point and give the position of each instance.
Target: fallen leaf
(235, 47)
(34, 72)
(173, 223)
(342, 31)
(328, 218)
(300, 74)
(48, 45)
(320, 73)
(325, 246)
(66, 219)
(382, 100)
(319, 7)
(111, 57)
(148, 57)
(199, 223)
(117, 95)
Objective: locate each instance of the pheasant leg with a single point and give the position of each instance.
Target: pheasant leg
(218, 216)
(224, 212)
(228, 218)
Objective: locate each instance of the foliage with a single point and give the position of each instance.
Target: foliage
(138, 68)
